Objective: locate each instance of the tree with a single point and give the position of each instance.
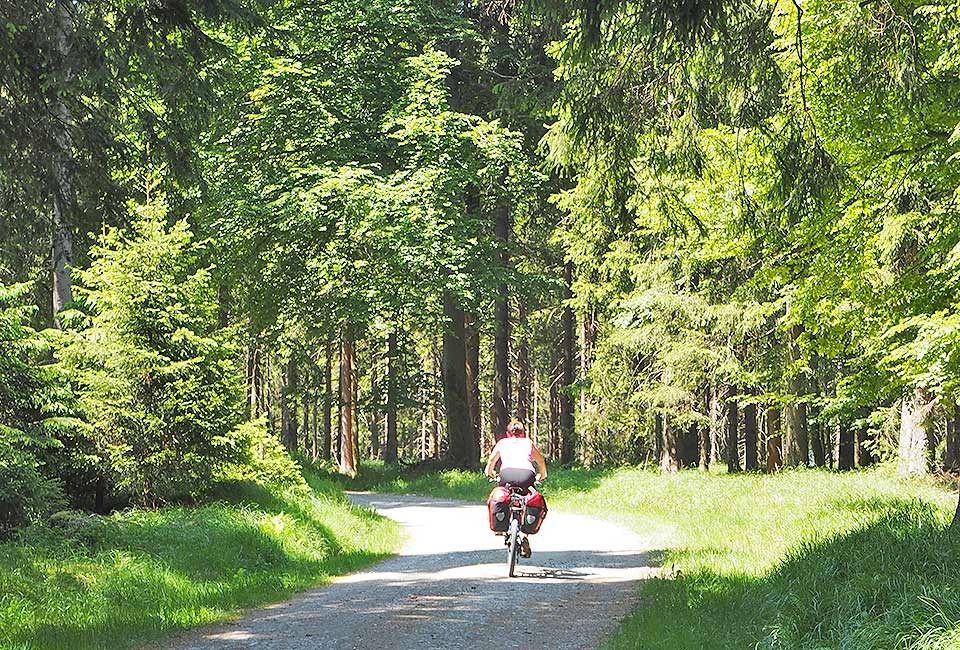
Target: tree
(157, 386)
(89, 102)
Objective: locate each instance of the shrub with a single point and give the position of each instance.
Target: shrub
(264, 459)
(157, 381)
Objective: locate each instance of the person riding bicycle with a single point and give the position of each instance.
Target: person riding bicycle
(516, 454)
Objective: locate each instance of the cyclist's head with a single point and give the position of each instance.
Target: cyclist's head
(515, 429)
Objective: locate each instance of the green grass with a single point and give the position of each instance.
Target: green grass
(804, 559)
(113, 582)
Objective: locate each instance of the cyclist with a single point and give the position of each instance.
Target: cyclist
(517, 455)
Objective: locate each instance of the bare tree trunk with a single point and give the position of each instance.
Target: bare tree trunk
(795, 412)
(845, 456)
(658, 449)
(554, 424)
(732, 422)
(523, 367)
(535, 420)
(704, 433)
(670, 454)
(714, 424)
(774, 441)
(390, 442)
(472, 343)
(61, 172)
(328, 400)
(269, 401)
(376, 381)
(951, 456)
(816, 438)
(288, 419)
(253, 381)
(955, 524)
(500, 415)
(750, 436)
(306, 426)
(462, 449)
(916, 433)
(348, 460)
(314, 430)
(568, 442)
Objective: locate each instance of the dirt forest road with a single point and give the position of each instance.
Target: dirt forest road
(447, 589)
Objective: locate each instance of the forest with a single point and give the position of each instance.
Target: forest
(238, 236)
(681, 233)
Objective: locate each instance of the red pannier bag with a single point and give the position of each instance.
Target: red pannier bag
(534, 512)
(498, 506)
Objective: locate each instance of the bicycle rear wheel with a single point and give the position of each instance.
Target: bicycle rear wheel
(513, 547)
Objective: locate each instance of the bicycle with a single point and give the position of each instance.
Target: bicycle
(516, 541)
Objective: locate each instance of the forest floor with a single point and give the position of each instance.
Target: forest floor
(802, 559)
(448, 589)
(113, 582)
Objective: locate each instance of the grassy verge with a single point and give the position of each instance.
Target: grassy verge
(804, 559)
(112, 582)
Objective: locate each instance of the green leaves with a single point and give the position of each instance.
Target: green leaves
(156, 381)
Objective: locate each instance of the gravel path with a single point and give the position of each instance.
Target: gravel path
(447, 589)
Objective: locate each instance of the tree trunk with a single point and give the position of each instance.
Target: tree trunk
(523, 368)
(376, 382)
(955, 524)
(816, 437)
(951, 456)
(916, 433)
(327, 400)
(472, 342)
(750, 435)
(314, 429)
(714, 433)
(288, 416)
(390, 435)
(690, 446)
(670, 454)
(269, 398)
(795, 413)
(704, 432)
(253, 381)
(845, 458)
(306, 426)
(61, 172)
(500, 415)
(732, 422)
(658, 437)
(774, 441)
(554, 420)
(462, 449)
(348, 459)
(567, 433)
(535, 419)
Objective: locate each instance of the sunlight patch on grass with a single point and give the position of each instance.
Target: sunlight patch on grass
(802, 559)
(140, 573)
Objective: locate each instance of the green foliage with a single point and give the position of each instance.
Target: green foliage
(745, 175)
(97, 582)
(28, 408)
(263, 460)
(155, 379)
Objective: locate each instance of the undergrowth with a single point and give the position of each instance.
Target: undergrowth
(109, 582)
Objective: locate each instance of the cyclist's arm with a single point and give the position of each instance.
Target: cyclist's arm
(541, 463)
(494, 457)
